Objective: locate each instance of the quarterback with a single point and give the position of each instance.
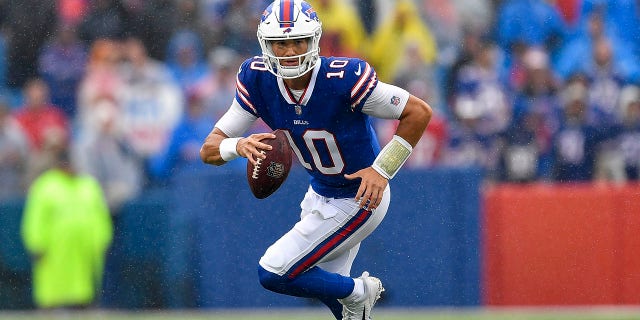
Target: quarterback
(324, 105)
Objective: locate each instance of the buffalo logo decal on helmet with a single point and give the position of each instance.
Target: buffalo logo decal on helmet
(309, 11)
(265, 13)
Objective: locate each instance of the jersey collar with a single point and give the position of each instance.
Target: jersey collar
(306, 95)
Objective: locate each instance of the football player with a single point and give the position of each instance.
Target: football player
(324, 105)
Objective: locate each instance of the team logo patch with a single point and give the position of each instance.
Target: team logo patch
(395, 101)
(287, 30)
(275, 170)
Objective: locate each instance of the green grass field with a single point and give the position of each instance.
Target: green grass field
(598, 313)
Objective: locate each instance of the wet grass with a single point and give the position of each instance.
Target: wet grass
(594, 313)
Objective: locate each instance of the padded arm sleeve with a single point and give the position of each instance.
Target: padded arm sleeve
(386, 101)
(236, 121)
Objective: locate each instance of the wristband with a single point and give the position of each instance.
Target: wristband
(228, 149)
(392, 157)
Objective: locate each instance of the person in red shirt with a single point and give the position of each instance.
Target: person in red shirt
(39, 119)
(44, 125)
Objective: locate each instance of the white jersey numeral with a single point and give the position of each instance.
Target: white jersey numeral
(310, 138)
(258, 65)
(337, 64)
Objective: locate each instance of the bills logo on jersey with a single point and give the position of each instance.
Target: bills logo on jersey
(395, 101)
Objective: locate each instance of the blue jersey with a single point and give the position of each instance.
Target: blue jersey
(327, 129)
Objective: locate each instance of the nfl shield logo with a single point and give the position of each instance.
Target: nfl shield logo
(395, 101)
(275, 170)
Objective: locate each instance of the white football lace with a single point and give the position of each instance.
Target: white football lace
(256, 168)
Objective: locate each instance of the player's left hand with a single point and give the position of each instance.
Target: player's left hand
(371, 187)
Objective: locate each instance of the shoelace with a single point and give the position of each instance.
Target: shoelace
(348, 313)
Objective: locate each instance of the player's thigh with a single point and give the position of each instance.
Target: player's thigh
(354, 212)
(322, 221)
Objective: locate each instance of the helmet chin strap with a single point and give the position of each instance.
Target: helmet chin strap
(294, 71)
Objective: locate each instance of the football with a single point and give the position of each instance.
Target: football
(269, 173)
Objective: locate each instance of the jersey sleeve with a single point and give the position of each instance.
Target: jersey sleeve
(364, 80)
(244, 87)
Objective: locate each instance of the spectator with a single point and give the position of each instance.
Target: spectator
(480, 95)
(44, 125)
(152, 101)
(577, 55)
(29, 24)
(414, 72)
(569, 11)
(106, 19)
(471, 43)
(14, 152)
(528, 142)
(66, 229)
(529, 23)
(575, 141)
(227, 25)
(629, 140)
(183, 148)
(103, 80)
(155, 22)
(186, 59)
(466, 148)
(71, 12)
(621, 18)
(101, 151)
(474, 14)
(605, 85)
(218, 87)
(368, 14)
(450, 20)
(340, 39)
(62, 65)
(403, 28)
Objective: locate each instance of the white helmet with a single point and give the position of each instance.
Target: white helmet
(290, 19)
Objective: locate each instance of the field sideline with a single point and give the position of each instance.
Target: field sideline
(587, 313)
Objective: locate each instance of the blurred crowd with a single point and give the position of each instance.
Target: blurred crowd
(529, 90)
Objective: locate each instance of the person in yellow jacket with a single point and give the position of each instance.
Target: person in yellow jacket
(343, 33)
(67, 228)
(402, 29)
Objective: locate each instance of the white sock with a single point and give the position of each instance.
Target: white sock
(358, 291)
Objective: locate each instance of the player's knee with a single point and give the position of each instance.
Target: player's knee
(270, 280)
(273, 259)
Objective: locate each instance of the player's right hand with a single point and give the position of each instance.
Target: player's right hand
(371, 188)
(250, 146)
